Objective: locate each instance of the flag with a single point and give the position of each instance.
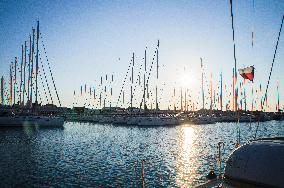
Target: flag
(247, 73)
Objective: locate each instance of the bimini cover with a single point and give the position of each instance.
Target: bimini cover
(257, 164)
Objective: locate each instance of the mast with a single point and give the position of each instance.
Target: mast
(185, 109)
(111, 90)
(157, 106)
(233, 99)
(32, 71)
(252, 98)
(202, 83)
(24, 86)
(245, 96)
(211, 102)
(11, 84)
(181, 109)
(144, 88)
(29, 79)
(2, 90)
(21, 74)
(131, 95)
(221, 91)
(274, 56)
(123, 97)
(100, 99)
(15, 80)
(235, 60)
(156, 98)
(174, 99)
(278, 98)
(37, 38)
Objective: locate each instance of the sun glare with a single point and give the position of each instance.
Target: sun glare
(186, 80)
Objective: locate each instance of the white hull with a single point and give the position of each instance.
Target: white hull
(257, 164)
(157, 121)
(42, 121)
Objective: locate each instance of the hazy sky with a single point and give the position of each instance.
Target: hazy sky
(87, 39)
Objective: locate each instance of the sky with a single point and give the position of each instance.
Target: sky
(87, 39)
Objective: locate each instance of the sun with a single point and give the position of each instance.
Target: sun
(186, 80)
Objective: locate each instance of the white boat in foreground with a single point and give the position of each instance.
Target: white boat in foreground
(31, 120)
(259, 163)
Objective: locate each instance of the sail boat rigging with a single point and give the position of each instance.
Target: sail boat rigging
(21, 112)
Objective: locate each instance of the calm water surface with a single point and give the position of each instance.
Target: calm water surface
(93, 155)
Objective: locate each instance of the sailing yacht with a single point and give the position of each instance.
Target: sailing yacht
(31, 120)
(26, 113)
(157, 121)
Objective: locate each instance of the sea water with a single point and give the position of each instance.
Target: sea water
(103, 155)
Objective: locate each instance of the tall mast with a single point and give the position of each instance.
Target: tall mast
(221, 92)
(274, 56)
(22, 59)
(15, 80)
(157, 106)
(11, 84)
(202, 82)
(131, 95)
(37, 38)
(233, 99)
(32, 71)
(29, 79)
(144, 88)
(211, 102)
(25, 62)
(235, 60)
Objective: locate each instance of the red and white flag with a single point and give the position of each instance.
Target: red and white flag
(247, 73)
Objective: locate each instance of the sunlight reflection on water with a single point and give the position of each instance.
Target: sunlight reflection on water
(186, 162)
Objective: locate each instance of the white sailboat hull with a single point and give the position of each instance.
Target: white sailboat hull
(157, 121)
(43, 121)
